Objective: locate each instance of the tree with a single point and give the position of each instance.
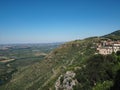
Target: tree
(118, 53)
(116, 85)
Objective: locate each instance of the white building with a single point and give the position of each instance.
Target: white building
(109, 49)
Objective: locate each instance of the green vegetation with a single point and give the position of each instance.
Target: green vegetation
(21, 56)
(43, 74)
(114, 36)
(33, 70)
(103, 86)
(99, 72)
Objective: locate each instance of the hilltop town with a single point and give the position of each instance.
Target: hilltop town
(108, 46)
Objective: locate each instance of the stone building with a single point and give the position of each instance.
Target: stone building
(108, 47)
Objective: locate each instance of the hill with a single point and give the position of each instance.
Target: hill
(114, 35)
(93, 72)
(45, 73)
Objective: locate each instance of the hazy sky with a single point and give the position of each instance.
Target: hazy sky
(42, 21)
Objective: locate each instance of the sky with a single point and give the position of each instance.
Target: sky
(48, 21)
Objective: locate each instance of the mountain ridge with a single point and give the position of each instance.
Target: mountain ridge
(114, 35)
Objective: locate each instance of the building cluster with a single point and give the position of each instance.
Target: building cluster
(108, 47)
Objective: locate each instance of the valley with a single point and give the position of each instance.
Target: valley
(15, 57)
(59, 44)
(74, 65)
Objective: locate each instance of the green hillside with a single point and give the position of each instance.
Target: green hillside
(44, 74)
(93, 72)
(114, 35)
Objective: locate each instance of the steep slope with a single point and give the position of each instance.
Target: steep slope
(77, 56)
(45, 73)
(98, 73)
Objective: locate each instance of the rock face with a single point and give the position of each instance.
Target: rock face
(66, 81)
